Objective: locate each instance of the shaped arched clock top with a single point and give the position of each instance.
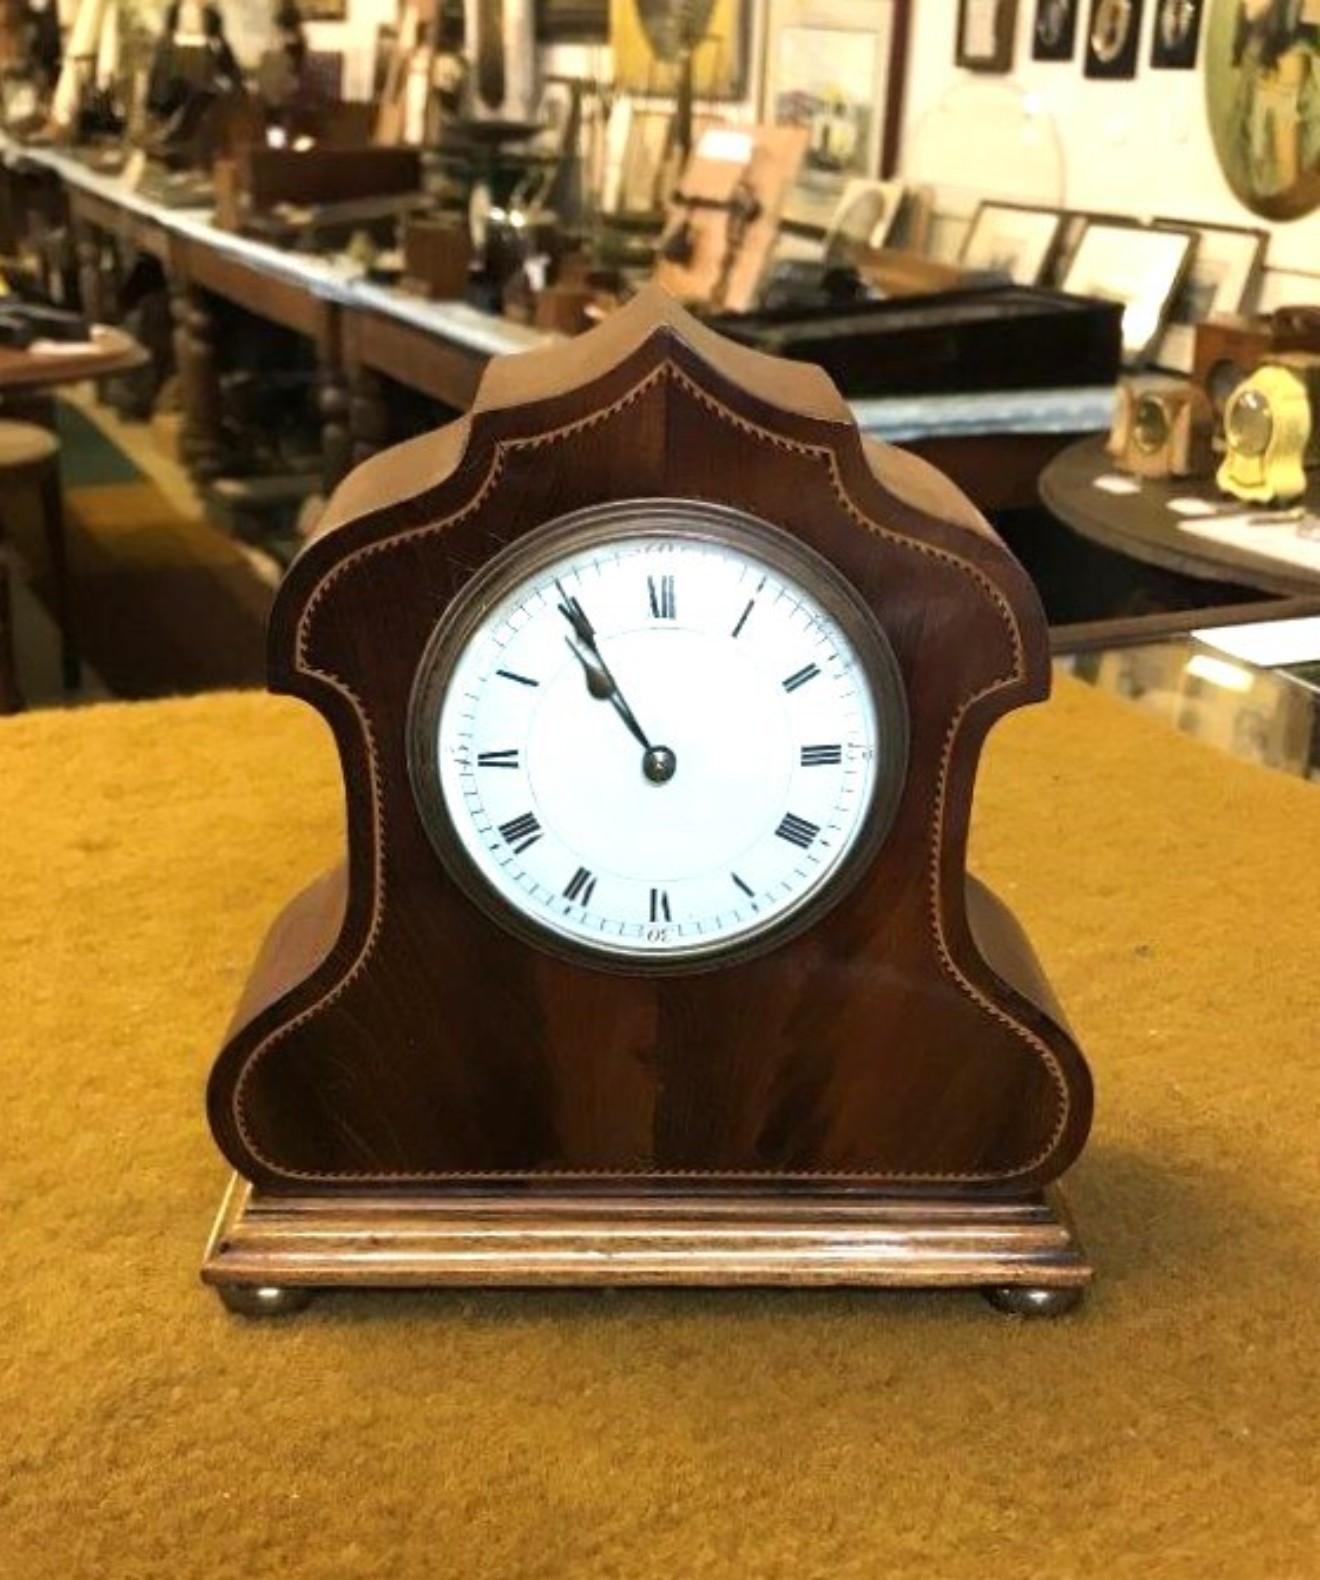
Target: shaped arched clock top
(659, 695)
(660, 423)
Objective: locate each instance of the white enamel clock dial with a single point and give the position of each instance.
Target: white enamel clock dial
(656, 733)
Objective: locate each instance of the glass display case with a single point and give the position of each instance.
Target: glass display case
(988, 138)
(1253, 691)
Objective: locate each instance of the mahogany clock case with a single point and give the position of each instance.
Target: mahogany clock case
(398, 1044)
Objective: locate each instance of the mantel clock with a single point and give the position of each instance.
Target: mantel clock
(659, 693)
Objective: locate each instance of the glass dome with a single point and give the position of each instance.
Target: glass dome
(988, 138)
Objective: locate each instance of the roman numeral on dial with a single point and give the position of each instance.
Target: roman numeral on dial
(660, 906)
(818, 756)
(797, 831)
(801, 677)
(660, 590)
(580, 887)
(521, 832)
(501, 759)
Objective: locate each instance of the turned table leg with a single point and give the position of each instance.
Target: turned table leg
(368, 414)
(199, 384)
(57, 548)
(11, 695)
(87, 252)
(336, 439)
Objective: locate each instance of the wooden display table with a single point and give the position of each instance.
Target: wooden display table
(368, 338)
(1142, 525)
(36, 372)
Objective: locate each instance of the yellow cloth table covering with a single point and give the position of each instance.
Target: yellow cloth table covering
(1168, 1429)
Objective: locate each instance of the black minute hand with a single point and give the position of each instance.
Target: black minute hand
(576, 616)
(658, 762)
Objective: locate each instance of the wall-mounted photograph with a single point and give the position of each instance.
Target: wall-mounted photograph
(1113, 31)
(1176, 35)
(1262, 85)
(1223, 278)
(1141, 267)
(1012, 240)
(1054, 31)
(986, 30)
(830, 66)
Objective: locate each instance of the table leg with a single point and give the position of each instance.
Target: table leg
(368, 414)
(11, 697)
(199, 383)
(52, 510)
(91, 295)
(336, 440)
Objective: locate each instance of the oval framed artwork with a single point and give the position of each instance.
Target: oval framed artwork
(1262, 83)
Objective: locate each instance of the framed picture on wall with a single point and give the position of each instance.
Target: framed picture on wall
(986, 30)
(1011, 239)
(1054, 31)
(863, 220)
(836, 67)
(1222, 278)
(1113, 31)
(1259, 65)
(1072, 227)
(1177, 34)
(1141, 267)
(647, 39)
(572, 21)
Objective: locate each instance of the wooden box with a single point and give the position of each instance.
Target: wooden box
(437, 254)
(1008, 337)
(269, 176)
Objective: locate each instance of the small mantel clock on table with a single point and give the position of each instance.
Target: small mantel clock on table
(659, 693)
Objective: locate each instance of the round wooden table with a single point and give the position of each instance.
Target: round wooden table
(1142, 525)
(38, 371)
(29, 374)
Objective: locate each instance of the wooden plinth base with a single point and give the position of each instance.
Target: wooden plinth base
(269, 1253)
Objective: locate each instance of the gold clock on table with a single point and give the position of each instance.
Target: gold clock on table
(1271, 432)
(659, 693)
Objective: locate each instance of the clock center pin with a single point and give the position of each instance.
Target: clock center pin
(658, 764)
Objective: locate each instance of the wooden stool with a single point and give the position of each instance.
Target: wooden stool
(30, 455)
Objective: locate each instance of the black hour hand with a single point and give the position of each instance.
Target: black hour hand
(600, 683)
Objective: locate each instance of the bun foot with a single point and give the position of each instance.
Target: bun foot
(263, 1300)
(1030, 1300)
